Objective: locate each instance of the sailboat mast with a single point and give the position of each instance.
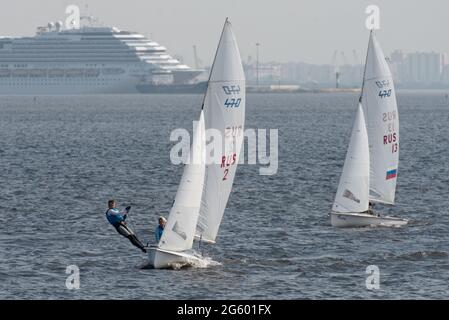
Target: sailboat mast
(364, 69)
(213, 63)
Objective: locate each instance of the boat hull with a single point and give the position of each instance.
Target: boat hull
(165, 259)
(356, 220)
(173, 88)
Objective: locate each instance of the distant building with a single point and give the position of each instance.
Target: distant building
(424, 67)
(266, 73)
(412, 70)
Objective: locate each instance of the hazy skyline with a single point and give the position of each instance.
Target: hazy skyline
(288, 30)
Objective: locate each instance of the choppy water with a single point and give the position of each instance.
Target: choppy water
(62, 158)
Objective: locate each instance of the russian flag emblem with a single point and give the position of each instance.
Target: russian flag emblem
(391, 174)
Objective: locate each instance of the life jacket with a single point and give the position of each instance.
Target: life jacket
(114, 219)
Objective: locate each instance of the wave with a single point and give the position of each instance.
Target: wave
(419, 255)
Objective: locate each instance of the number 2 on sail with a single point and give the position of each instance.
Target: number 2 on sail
(225, 174)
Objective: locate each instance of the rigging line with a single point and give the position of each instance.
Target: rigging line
(364, 69)
(213, 63)
(200, 248)
(132, 225)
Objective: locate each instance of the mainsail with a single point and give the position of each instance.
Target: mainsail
(224, 112)
(180, 227)
(205, 186)
(353, 189)
(379, 105)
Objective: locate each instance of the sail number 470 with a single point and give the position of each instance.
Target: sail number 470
(385, 93)
(383, 85)
(232, 102)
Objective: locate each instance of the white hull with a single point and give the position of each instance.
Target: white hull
(354, 220)
(67, 87)
(164, 259)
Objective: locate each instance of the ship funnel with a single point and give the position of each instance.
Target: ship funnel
(58, 26)
(50, 26)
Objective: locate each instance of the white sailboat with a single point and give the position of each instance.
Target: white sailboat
(371, 164)
(205, 185)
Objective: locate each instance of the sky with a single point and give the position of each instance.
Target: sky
(287, 30)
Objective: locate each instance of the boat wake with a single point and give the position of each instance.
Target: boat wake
(197, 261)
(200, 263)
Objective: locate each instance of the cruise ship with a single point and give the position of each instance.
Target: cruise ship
(90, 59)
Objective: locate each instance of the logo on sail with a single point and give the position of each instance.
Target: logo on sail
(391, 174)
(178, 231)
(348, 194)
(233, 89)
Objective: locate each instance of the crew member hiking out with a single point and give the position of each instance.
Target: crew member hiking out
(117, 219)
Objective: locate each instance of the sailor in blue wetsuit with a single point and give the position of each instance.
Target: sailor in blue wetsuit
(117, 219)
(160, 228)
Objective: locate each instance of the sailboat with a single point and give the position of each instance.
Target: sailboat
(205, 186)
(370, 169)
